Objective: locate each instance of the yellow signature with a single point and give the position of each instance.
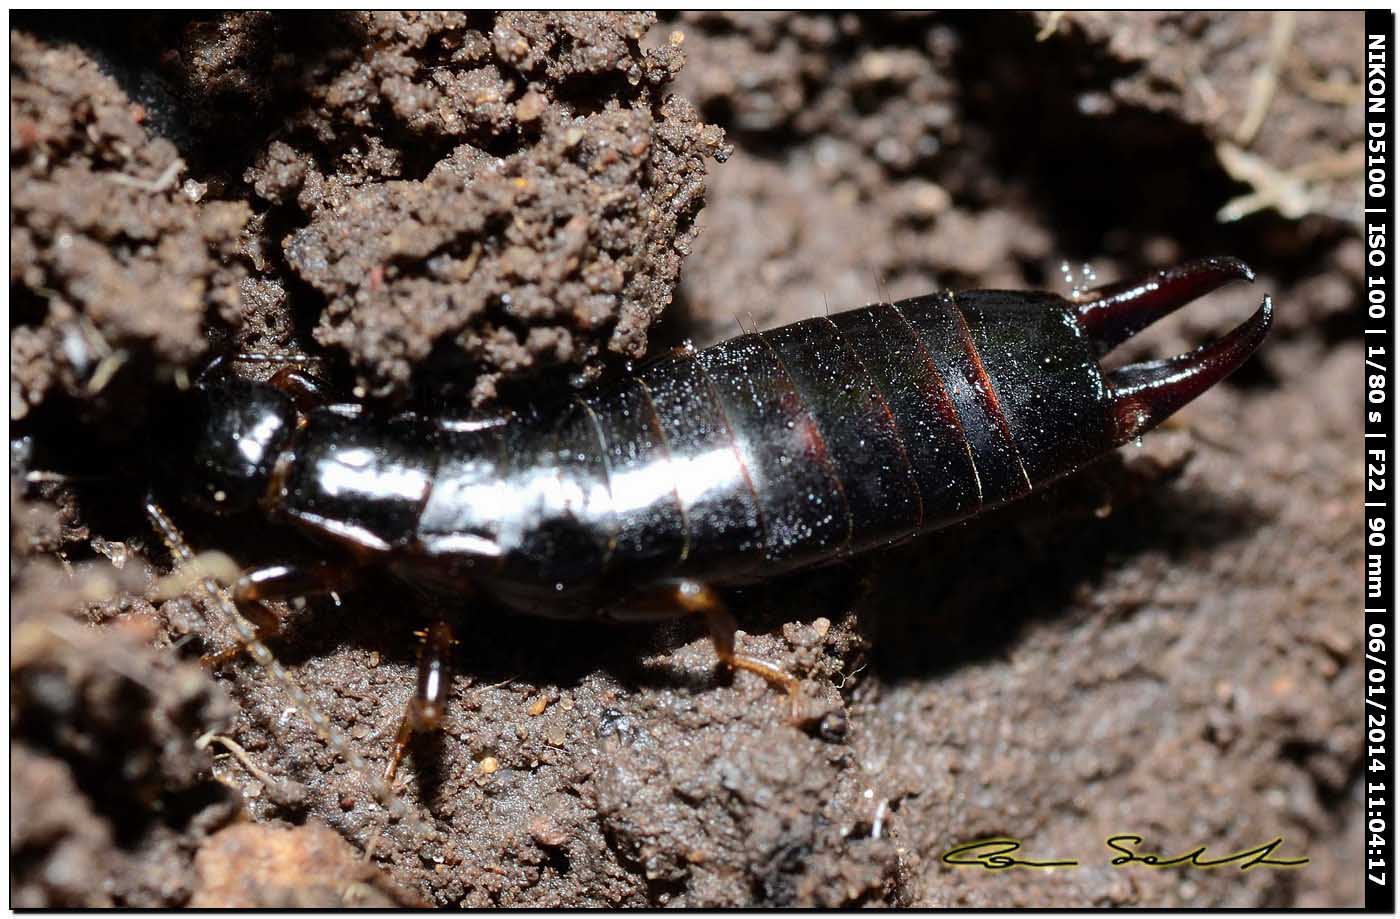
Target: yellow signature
(997, 855)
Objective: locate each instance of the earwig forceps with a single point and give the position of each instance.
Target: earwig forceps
(1145, 394)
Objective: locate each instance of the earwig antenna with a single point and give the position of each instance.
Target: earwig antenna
(259, 652)
(827, 301)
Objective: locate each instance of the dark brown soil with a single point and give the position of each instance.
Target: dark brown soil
(464, 206)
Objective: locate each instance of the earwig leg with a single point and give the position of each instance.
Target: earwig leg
(283, 582)
(425, 710)
(275, 582)
(722, 628)
(306, 391)
(694, 598)
(247, 633)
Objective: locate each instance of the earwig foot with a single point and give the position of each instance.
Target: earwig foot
(401, 739)
(773, 674)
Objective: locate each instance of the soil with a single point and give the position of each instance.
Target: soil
(462, 208)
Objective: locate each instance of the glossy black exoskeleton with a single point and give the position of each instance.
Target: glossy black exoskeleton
(760, 455)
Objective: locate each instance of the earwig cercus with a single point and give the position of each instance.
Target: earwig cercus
(760, 455)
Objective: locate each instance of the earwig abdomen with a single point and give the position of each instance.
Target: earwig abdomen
(857, 434)
(925, 417)
(761, 454)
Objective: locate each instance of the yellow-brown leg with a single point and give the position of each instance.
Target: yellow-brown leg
(687, 597)
(428, 704)
(283, 582)
(276, 582)
(306, 391)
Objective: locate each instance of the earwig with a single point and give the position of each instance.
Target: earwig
(764, 454)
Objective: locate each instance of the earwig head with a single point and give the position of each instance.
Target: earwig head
(239, 430)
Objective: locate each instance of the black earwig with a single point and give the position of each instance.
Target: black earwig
(763, 454)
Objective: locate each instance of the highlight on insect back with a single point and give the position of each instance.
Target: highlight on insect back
(695, 459)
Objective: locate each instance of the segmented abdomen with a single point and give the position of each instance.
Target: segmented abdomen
(776, 450)
(761, 454)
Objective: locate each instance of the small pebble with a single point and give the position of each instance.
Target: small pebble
(547, 833)
(538, 706)
(288, 794)
(530, 107)
(488, 765)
